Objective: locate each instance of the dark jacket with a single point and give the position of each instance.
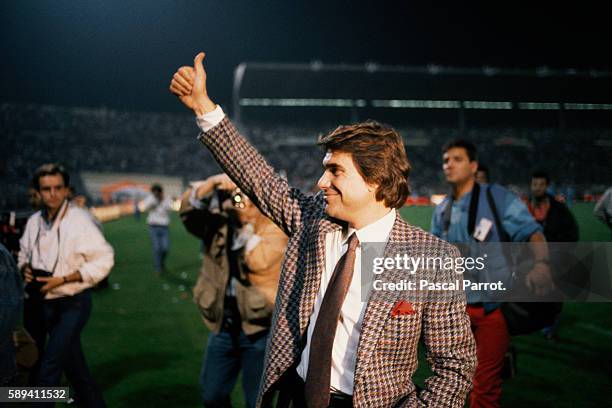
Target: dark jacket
(559, 225)
(11, 296)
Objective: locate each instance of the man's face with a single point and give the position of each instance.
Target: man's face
(346, 192)
(538, 187)
(53, 191)
(457, 166)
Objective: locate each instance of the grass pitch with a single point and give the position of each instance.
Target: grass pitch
(144, 341)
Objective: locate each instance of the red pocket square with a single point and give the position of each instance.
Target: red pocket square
(402, 308)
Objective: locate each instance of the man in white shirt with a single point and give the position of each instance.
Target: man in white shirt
(328, 346)
(158, 220)
(62, 255)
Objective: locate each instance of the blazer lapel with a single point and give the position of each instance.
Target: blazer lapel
(380, 303)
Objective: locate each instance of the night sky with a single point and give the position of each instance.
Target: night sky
(121, 54)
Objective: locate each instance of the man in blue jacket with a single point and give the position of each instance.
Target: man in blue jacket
(452, 222)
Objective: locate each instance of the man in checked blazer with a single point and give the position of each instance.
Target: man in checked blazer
(374, 352)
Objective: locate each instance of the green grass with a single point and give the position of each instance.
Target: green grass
(144, 341)
(576, 371)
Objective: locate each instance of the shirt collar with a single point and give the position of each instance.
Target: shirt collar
(377, 231)
(464, 200)
(58, 217)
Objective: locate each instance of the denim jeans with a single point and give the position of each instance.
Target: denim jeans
(161, 243)
(226, 353)
(65, 318)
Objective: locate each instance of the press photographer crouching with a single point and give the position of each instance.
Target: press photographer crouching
(62, 255)
(237, 285)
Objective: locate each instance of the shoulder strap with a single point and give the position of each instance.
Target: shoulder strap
(471, 215)
(446, 215)
(473, 209)
(503, 235)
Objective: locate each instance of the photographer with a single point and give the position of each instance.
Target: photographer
(237, 286)
(62, 255)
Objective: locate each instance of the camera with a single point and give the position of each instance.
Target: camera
(33, 288)
(237, 198)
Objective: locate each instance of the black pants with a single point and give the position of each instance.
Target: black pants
(65, 318)
(34, 323)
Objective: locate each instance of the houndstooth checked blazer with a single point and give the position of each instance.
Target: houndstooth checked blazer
(387, 350)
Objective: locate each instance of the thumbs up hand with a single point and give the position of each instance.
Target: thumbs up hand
(189, 84)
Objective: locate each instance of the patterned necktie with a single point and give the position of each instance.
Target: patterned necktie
(316, 390)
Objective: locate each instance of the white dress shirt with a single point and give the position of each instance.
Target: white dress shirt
(211, 119)
(344, 351)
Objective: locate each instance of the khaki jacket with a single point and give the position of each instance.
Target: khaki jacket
(259, 269)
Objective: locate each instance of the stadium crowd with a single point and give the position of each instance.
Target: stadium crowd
(104, 140)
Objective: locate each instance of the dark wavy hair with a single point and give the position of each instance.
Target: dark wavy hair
(379, 155)
(50, 169)
(469, 147)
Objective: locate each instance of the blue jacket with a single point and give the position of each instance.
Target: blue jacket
(515, 218)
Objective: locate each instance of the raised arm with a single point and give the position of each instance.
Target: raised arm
(271, 193)
(195, 211)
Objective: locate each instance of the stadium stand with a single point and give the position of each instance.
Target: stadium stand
(428, 105)
(105, 140)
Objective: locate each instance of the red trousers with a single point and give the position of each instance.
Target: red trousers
(492, 340)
